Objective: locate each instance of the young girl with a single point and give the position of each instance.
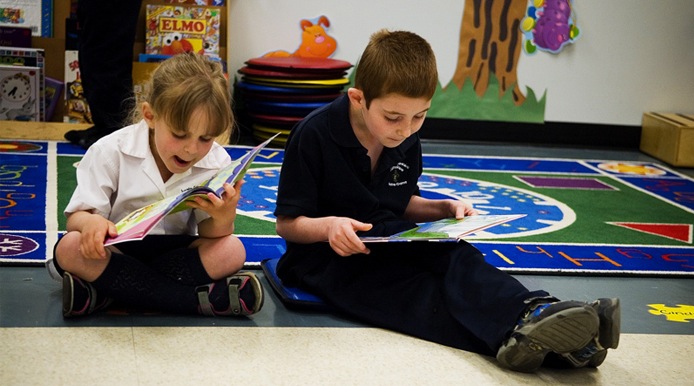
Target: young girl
(190, 262)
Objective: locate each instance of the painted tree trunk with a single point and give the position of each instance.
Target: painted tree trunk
(490, 43)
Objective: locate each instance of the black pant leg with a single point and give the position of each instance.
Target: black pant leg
(107, 36)
(483, 298)
(407, 287)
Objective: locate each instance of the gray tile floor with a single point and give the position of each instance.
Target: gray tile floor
(29, 298)
(300, 347)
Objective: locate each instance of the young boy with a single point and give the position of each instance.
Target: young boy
(351, 169)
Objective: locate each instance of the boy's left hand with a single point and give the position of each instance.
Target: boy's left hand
(460, 209)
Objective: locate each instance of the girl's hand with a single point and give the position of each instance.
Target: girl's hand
(343, 238)
(220, 209)
(94, 230)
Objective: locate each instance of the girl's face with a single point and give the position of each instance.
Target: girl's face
(392, 118)
(177, 151)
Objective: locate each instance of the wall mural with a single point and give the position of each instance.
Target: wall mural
(485, 83)
(549, 26)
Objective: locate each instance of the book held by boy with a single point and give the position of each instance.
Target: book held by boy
(449, 229)
(140, 222)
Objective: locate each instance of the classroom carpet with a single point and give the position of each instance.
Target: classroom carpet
(583, 217)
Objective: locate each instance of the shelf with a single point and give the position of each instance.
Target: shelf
(38, 130)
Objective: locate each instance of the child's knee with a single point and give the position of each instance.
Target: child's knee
(223, 257)
(237, 252)
(67, 249)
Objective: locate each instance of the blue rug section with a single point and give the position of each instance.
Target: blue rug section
(505, 164)
(23, 191)
(547, 258)
(23, 203)
(677, 191)
(588, 259)
(24, 239)
(23, 248)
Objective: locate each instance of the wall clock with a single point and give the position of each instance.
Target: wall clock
(15, 87)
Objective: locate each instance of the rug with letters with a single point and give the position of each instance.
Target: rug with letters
(583, 217)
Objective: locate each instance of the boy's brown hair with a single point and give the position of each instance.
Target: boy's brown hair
(398, 62)
(185, 82)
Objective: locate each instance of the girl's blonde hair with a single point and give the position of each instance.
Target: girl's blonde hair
(184, 83)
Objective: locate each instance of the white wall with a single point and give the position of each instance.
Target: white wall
(633, 55)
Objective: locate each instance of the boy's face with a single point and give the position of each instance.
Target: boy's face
(179, 151)
(390, 119)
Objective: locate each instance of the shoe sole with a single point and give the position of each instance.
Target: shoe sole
(258, 291)
(609, 313)
(68, 295)
(562, 331)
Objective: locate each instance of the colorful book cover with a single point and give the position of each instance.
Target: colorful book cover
(448, 229)
(52, 93)
(20, 93)
(140, 222)
(173, 29)
(34, 14)
(76, 106)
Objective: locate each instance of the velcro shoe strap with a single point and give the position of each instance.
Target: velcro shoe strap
(235, 284)
(204, 300)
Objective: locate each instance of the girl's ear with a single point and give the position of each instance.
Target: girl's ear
(148, 114)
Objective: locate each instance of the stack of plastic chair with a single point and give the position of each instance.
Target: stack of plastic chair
(278, 92)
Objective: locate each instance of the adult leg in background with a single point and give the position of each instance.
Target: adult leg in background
(107, 36)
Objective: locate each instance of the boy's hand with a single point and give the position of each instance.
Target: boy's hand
(94, 231)
(460, 209)
(343, 238)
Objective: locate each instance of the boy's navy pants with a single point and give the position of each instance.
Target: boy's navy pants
(443, 292)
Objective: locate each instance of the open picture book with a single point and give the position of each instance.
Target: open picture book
(140, 222)
(448, 229)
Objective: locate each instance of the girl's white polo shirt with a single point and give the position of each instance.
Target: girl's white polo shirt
(118, 175)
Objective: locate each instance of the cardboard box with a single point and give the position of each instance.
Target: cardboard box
(669, 137)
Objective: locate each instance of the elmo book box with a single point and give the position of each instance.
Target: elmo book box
(174, 29)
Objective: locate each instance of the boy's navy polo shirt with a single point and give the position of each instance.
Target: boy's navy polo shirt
(326, 172)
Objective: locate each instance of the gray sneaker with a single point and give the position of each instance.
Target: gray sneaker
(594, 353)
(561, 327)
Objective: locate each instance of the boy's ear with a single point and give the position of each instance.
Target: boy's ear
(356, 97)
(148, 114)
